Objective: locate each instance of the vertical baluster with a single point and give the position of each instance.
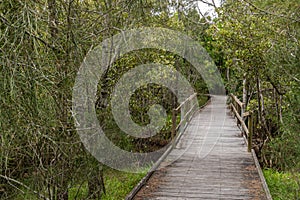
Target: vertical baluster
(173, 126)
(250, 129)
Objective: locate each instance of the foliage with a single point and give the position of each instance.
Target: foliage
(255, 43)
(283, 186)
(42, 46)
(118, 185)
(260, 43)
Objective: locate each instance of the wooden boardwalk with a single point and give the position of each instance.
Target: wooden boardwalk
(211, 162)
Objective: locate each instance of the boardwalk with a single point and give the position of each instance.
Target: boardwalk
(212, 162)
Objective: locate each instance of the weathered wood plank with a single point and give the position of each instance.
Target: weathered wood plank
(211, 162)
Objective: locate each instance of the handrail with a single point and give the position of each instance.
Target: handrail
(237, 108)
(186, 118)
(237, 100)
(185, 101)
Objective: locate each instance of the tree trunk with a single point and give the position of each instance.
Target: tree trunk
(60, 187)
(52, 18)
(261, 110)
(245, 94)
(280, 109)
(278, 105)
(96, 183)
(228, 74)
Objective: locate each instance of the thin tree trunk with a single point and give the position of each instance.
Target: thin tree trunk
(275, 96)
(280, 109)
(52, 18)
(96, 183)
(245, 94)
(228, 74)
(278, 101)
(60, 187)
(261, 110)
(96, 186)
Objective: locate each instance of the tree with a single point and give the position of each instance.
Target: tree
(42, 46)
(261, 47)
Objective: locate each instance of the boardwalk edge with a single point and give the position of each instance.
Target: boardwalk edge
(261, 175)
(144, 180)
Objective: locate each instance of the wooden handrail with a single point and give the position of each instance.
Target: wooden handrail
(241, 121)
(185, 101)
(237, 100)
(175, 126)
(185, 116)
(237, 108)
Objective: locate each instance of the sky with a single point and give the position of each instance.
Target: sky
(206, 8)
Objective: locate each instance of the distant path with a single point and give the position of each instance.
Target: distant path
(213, 162)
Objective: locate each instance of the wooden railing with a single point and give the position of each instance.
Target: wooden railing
(244, 119)
(186, 109)
(248, 122)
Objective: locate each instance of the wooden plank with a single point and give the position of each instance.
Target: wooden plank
(211, 162)
(246, 114)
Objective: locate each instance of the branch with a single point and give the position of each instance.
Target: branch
(275, 87)
(43, 41)
(202, 14)
(213, 2)
(23, 185)
(207, 21)
(207, 3)
(6, 21)
(271, 13)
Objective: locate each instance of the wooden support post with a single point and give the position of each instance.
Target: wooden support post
(237, 109)
(232, 102)
(255, 120)
(173, 126)
(250, 128)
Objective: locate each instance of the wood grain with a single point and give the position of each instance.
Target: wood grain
(211, 162)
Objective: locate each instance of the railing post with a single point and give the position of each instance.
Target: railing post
(230, 103)
(241, 110)
(173, 126)
(250, 129)
(236, 105)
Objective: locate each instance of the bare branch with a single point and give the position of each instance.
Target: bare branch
(202, 14)
(205, 2)
(4, 20)
(23, 185)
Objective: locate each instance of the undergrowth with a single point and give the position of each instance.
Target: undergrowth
(283, 185)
